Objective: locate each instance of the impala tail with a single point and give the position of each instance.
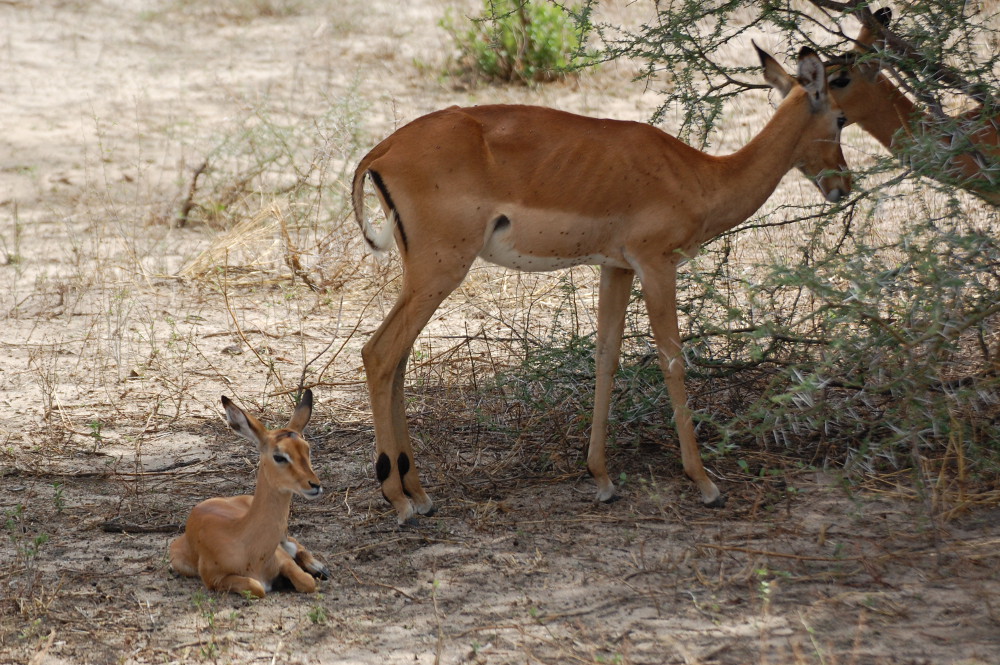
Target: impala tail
(378, 239)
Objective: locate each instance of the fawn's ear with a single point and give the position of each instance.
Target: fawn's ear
(300, 418)
(244, 424)
(775, 74)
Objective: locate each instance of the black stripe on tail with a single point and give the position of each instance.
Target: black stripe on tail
(384, 191)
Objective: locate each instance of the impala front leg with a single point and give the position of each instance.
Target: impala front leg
(660, 288)
(290, 570)
(305, 559)
(616, 286)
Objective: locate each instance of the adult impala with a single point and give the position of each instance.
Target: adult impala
(538, 189)
(969, 154)
(241, 543)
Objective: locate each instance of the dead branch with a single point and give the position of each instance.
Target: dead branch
(189, 204)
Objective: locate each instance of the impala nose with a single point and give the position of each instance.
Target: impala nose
(835, 195)
(314, 490)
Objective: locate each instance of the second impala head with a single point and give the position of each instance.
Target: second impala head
(820, 157)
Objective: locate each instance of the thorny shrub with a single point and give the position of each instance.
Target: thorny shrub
(867, 343)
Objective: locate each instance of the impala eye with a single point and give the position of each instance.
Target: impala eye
(281, 458)
(841, 82)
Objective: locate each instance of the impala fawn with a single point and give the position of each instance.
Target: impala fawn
(241, 543)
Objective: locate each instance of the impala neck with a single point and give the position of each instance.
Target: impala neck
(266, 523)
(893, 113)
(752, 173)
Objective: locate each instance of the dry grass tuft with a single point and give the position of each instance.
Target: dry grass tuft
(253, 244)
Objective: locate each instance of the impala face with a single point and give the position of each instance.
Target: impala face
(833, 182)
(818, 155)
(852, 85)
(535, 188)
(861, 90)
(289, 466)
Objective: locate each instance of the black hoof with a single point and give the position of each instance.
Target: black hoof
(611, 499)
(719, 502)
(323, 573)
(433, 510)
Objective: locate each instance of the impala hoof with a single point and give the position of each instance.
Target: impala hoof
(717, 502)
(408, 517)
(423, 505)
(319, 571)
(606, 494)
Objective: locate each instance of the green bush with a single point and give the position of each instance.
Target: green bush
(521, 41)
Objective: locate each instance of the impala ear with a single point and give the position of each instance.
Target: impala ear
(300, 418)
(243, 423)
(867, 38)
(812, 77)
(774, 74)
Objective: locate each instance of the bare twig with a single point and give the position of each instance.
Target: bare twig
(189, 204)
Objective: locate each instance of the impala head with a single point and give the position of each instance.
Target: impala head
(855, 83)
(819, 156)
(284, 453)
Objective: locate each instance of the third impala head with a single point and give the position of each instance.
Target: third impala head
(865, 95)
(284, 453)
(818, 154)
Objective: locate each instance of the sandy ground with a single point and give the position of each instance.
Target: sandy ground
(121, 331)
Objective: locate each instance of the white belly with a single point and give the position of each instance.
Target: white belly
(500, 249)
(508, 257)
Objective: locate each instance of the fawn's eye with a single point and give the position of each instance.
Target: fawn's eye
(281, 458)
(840, 82)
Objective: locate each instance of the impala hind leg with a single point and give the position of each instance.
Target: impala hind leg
(406, 461)
(236, 584)
(181, 559)
(616, 286)
(384, 358)
(660, 290)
